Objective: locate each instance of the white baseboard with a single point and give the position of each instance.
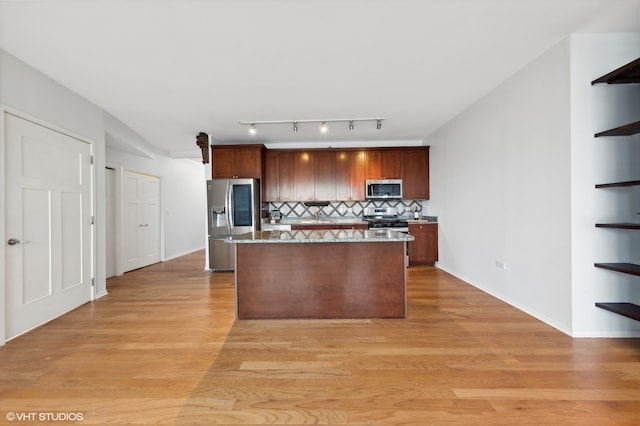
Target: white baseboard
(525, 309)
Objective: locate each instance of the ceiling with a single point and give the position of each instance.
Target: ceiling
(169, 69)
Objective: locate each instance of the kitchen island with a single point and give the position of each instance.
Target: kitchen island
(321, 274)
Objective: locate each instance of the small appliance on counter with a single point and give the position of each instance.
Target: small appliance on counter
(275, 216)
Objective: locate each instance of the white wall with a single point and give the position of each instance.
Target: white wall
(500, 186)
(601, 160)
(513, 181)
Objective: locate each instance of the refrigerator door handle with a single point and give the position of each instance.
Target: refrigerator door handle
(229, 207)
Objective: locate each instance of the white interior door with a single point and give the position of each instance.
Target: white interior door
(140, 220)
(151, 214)
(110, 198)
(48, 224)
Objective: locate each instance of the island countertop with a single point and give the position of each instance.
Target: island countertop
(321, 236)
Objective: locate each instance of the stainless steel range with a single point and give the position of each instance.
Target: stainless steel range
(384, 218)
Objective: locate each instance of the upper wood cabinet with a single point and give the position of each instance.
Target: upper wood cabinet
(278, 180)
(325, 177)
(350, 166)
(415, 173)
(314, 175)
(324, 174)
(304, 176)
(238, 161)
(384, 164)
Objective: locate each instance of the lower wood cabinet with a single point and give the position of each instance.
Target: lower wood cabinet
(424, 249)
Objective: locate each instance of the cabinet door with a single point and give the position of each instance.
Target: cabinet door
(223, 162)
(271, 183)
(278, 176)
(350, 175)
(356, 172)
(415, 174)
(343, 176)
(285, 176)
(237, 161)
(325, 179)
(391, 164)
(248, 162)
(384, 164)
(304, 176)
(372, 165)
(424, 249)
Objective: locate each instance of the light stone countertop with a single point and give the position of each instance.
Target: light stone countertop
(321, 236)
(421, 221)
(323, 221)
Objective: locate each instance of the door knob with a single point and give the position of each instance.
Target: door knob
(13, 242)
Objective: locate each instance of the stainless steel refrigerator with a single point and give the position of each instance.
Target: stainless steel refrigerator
(233, 209)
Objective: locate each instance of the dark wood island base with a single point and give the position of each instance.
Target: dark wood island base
(321, 280)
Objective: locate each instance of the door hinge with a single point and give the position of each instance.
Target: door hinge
(93, 282)
(91, 159)
(93, 220)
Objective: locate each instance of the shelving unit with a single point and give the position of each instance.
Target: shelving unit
(627, 74)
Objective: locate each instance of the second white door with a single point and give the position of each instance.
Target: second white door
(140, 220)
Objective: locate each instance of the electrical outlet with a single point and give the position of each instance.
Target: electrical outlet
(501, 264)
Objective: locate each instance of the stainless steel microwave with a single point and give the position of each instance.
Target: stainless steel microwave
(383, 189)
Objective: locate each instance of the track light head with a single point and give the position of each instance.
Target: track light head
(351, 125)
(295, 126)
(323, 127)
(252, 129)
(379, 125)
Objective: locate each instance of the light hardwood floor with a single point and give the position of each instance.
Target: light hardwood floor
(163, 347)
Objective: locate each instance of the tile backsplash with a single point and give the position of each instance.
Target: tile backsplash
(338, 209)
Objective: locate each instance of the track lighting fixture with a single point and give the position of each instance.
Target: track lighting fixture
(323, 123)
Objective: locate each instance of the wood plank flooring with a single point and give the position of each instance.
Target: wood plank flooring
(163, 348)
